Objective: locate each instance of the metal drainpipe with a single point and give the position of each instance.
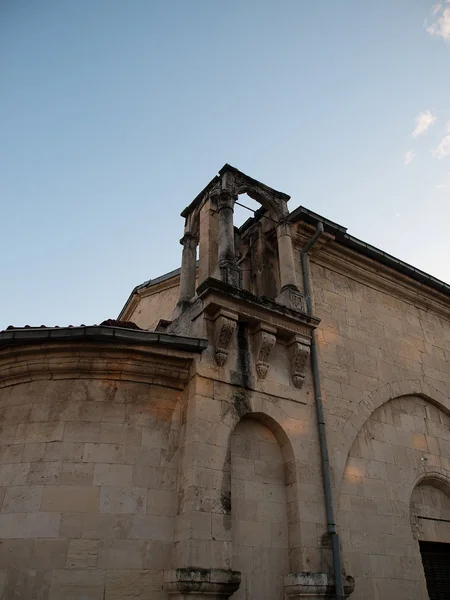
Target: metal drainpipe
(326, 470)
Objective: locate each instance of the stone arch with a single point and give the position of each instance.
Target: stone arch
(401, 444)
(430, 521)
(375, 400)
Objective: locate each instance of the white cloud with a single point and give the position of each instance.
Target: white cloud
(436, 8)
(441, 26)
(423, 122)
(443, 148)
(409, 156)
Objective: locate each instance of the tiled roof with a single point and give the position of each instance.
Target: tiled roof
(107, 323)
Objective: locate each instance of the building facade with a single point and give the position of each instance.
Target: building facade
(269, 422)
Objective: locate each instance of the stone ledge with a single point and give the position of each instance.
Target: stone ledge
(219, 584)
(314, 586)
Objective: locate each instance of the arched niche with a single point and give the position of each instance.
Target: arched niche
(263, 507)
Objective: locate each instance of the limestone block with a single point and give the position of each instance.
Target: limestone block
(70, 498)
(82, 431)
(71, 525)
(70, 451)
(77, 474)
(132, 584)
(105, 526)
(121, 554)
(143, 456)
(162, 502)
(157, 555)
(34, 452)
(150, 527)
(101, 411)
(119, 433)
(114, 499)
(115, 475)
(14, 474)
(27, 583)
(15, 553)
(104, 453)
(8, 435)
(39, 432)
(29, 525)
(22, 499)
(77, 584)
(82, 554)
(11, 454)
(45, 472)
(156, 478)
(48, 554)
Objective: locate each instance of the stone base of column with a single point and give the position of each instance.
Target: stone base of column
(230, 273)
(315, 586)
(291, 297)
(181, 307)
(207, 584)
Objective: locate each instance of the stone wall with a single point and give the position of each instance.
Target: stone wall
(384, 353)
(88, 471)
(155, 304)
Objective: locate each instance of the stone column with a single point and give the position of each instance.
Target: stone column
(289, 292)
(288, 278)
(188, 268)
(229, 272)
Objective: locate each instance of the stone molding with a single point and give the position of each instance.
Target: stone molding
(383, 278)
(211, 584)
(265, 339)
(93, 360)
(314, 586)
(224, 328)
(189, 239)
(299, 355)
(216, 295)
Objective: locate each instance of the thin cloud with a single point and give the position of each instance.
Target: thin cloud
(441, 26)
(409, 157)
(423, 122)
(443, 148)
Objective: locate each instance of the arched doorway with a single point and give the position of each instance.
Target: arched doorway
(430, 520)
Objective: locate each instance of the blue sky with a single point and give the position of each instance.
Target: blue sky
(114, 115)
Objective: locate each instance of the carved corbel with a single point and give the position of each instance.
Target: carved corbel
(299, 351)
(224, 328)
(265, 338)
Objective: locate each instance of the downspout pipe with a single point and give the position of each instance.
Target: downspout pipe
(326, 469)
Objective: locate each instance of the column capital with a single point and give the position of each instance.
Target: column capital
(283, 228)
(225, 199)
(189, 239)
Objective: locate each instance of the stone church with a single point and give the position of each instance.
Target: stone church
(271, 421)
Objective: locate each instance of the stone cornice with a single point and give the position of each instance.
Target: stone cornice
(217, 295)
(349, 263)
(96, 352)
(94, 360)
